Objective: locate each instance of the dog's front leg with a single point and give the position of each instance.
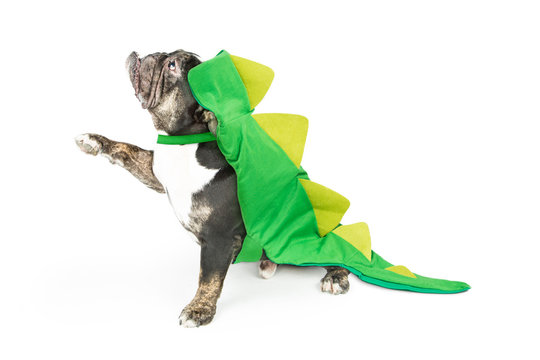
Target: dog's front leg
(216, 258)
(132, 158)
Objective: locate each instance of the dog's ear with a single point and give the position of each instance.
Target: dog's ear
(207, 117)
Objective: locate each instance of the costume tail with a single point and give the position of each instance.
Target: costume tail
(372, 268)
(349, 244)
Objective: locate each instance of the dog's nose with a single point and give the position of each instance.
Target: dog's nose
(131, 59)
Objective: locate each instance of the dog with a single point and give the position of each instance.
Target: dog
(200, 184)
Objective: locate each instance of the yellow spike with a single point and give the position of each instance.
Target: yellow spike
(288, 131)
(401, 270)
(256, 77)
(328, 205)
(358, 236)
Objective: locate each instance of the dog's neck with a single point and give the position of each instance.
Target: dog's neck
(208, 153)
(193, 128)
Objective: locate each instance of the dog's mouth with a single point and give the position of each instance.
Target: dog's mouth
(141, 74)
(133, 66)
(136, 74)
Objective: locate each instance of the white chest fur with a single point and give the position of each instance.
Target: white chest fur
(178, 170)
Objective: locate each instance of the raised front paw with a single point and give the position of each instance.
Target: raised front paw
(195, 315)
(89, 143)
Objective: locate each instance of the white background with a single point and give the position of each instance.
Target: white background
(423, 113)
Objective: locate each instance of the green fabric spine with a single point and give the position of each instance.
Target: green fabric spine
(277, 212)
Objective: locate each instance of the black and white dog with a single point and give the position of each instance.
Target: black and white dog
(199, 182)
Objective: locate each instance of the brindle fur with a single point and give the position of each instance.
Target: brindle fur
(132, 158)
(338, 279)
(266, 265)
(165, 93)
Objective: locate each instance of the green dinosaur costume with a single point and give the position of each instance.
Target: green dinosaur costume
(293, 219)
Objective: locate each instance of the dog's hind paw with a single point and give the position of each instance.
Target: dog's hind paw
(195, 316)
(335, 283)
(267, 269)
(89, 144)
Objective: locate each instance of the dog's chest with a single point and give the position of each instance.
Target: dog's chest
(178, 170)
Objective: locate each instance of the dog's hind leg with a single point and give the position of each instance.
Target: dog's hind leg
(132, 158)
(267, 268)
(336, 280)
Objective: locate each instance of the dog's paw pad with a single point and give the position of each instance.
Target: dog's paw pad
(194, 316)
(335, 284)
(88, 144)
(267, 269)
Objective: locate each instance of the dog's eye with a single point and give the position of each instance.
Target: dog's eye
(172, 65)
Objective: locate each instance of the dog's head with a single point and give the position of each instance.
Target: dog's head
(161, 85)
